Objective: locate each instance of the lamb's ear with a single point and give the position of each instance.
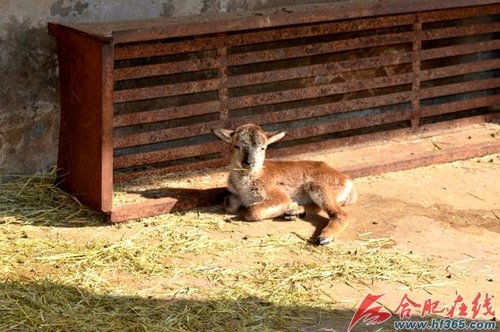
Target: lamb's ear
(275, 136)
(224, 134)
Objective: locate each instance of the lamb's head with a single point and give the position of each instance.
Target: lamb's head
(248, 143)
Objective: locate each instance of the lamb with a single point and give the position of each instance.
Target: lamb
(266, 189)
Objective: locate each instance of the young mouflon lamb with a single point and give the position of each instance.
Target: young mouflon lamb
(265, 189)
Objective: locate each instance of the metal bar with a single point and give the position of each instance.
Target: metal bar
(274, 17)
(165, 134)
(166, 90)
(319, 48)
(315, 70)
(318, 91)
(461, 69)
(416, 66)
(460, 31)
(428, 158)
(213, 163)
(165, 48)
(288, 33)
(461, 105)
(338, 142)
(460, 13)
(463, 49)
(457, 88)
(146, 158)
(182, 199)
(164, 114)
(146, 209)
(319, 110)
(457, 123)
(343, 125)
(168, 68)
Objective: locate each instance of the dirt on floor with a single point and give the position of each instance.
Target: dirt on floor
(449, 214)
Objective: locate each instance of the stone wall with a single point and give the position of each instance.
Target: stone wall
(29, 102)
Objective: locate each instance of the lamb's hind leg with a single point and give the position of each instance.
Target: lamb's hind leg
(326, 198)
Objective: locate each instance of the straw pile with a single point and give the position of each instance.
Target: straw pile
(180, 272)
(35, 200)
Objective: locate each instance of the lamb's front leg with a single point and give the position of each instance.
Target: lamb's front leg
(232, 203)
(275, 205)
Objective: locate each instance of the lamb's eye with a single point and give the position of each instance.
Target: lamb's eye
(262, 149)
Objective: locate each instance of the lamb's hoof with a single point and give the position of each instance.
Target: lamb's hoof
(292, 215)
(294, 211)
(324, 241)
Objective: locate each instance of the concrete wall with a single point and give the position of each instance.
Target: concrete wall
(29, 106)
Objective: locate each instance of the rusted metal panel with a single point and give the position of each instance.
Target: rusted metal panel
(329, 74)
(84, 155)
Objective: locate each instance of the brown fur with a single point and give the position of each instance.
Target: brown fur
(269, 189)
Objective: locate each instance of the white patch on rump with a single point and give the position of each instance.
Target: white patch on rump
(344, 195)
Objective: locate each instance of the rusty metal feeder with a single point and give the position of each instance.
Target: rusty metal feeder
(140, 98)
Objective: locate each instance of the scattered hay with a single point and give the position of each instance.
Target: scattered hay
(180, 272)
(36, 200)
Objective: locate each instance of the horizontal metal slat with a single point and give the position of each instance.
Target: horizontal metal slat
(129, 73)
(120, 177)
(460, 31)
(246, 38)
(337, 142)
(320, 69)
(463, 49)
(144, 50)
(344, 125)
(165, 134)
(456, 88)
(319, 110)
(460, 69)
(318, 91)
(458, 106)
(459, 13)
(319, 48)
(166, 90)
(130, 119)
(146, 158)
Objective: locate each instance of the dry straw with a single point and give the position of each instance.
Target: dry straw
(180, 272)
